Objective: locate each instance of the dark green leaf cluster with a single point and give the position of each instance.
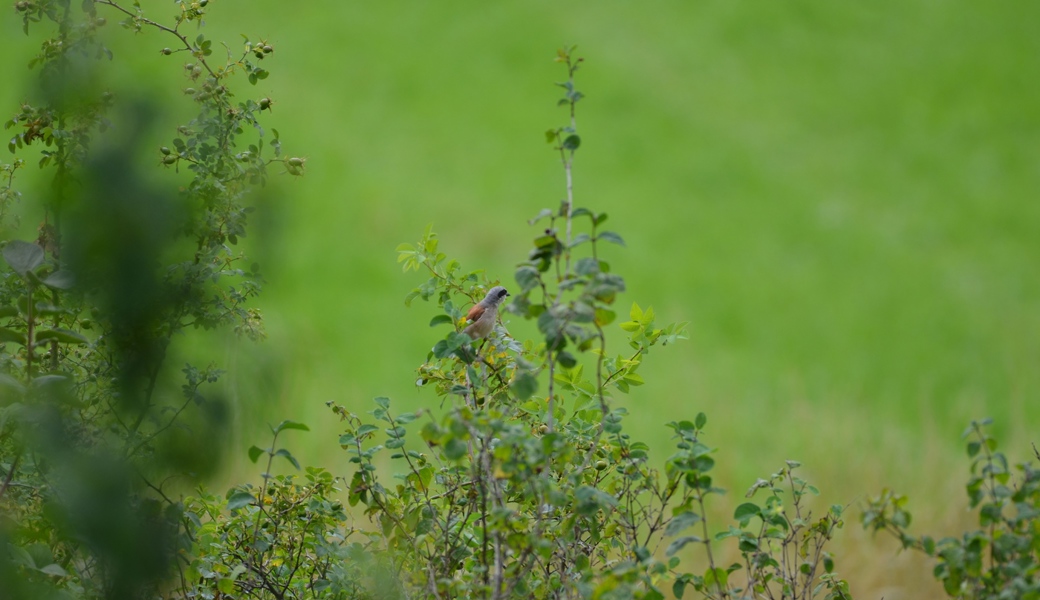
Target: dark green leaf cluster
(288, 539)
(1000, 559)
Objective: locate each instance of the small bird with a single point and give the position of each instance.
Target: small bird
(484, 313)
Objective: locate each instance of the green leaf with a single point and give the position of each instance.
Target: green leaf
(582, 212)
(450, 344)
(255, 453)
(587, 266)
(288, 456)
(591, 499)
(552, 327)
(545, 212)
(20, 556)
(10, 335)
(745, 512)
(9, 385)
(703, 463)
(678, 544)
(610, 236)
(716, 577)
(630, 326)
(526, 277)
(48, 380)
(579, 239)
(23, 256)
(43, 309)
(55, 570)
(440, 320)
(225, 585)
(524, 385)
(604, 317)
(572, 142)
(59, 280)
(290, 425)
(700, 421)
(455, 449)
(681, 521)
(240, 499)
(64, 336)
(679, 587)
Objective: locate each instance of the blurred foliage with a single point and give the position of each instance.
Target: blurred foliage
(92, 432)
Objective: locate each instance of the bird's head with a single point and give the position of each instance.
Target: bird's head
(495, 295)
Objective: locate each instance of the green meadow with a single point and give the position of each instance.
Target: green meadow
(843, 200)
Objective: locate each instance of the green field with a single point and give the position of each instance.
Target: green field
(842, 199)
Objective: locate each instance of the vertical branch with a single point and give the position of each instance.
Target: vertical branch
(568, 162)
(30, 331)
(263, 488)
(10, 473)
(567, 145)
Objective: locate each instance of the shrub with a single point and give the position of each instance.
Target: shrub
(526, 484)
(999, 560)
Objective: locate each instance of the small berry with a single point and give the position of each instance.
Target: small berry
(169, 160)
(268, 49)
(164, 150)
(166, 51)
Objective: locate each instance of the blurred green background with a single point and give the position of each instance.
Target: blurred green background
(842, 199)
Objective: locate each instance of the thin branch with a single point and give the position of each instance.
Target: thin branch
(10, 474)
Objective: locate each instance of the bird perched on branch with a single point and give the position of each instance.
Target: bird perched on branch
(484, 313)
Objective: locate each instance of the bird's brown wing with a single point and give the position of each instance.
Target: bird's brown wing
(475, 312)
